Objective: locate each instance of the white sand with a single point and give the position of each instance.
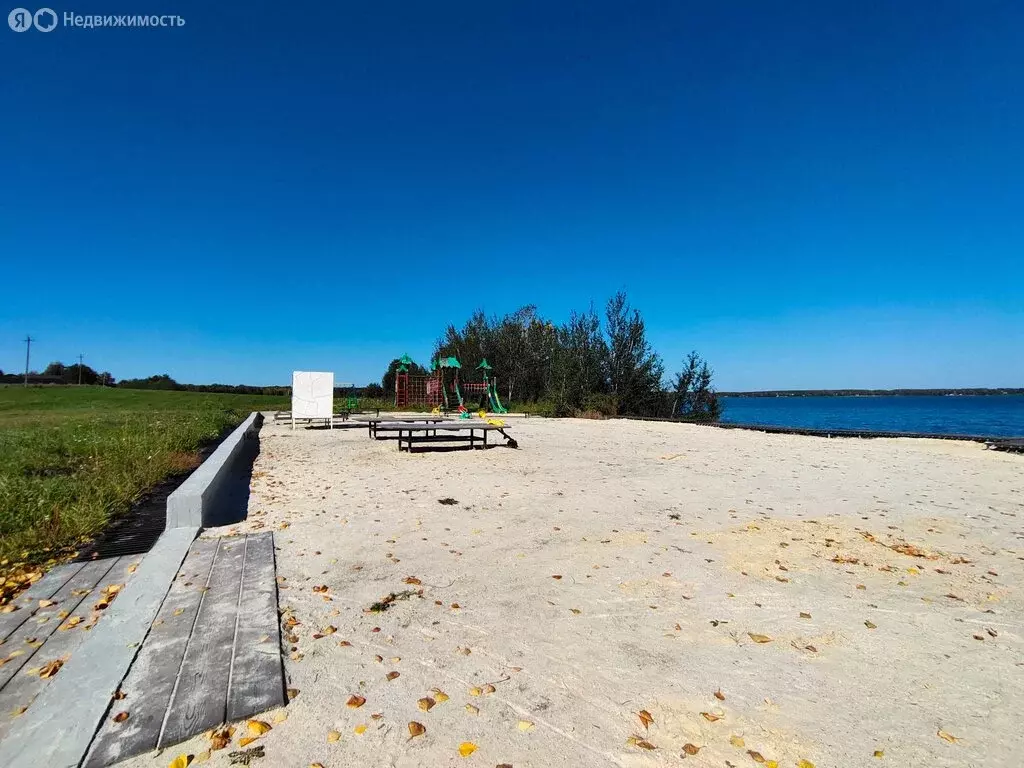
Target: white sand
(673, 543)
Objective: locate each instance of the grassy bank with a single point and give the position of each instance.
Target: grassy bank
(72, 457)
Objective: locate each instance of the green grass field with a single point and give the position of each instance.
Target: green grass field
(72, 457)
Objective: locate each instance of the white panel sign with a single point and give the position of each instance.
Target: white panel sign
(312, 395)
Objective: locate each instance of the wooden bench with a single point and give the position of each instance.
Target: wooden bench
(445, 432)
(340, 416)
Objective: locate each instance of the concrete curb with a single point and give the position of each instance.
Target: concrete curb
(193, 504)
(59, 726)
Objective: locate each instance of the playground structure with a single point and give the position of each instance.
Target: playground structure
(442, 388)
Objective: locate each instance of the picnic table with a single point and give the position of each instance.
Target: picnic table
(444, 432)
(373, 422)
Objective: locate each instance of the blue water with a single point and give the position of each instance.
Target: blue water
(988, 415)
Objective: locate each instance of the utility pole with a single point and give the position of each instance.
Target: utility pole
(28, 349)
(80, 358)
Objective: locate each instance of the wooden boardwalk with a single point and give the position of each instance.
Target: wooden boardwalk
(213, 654)
(52, 620)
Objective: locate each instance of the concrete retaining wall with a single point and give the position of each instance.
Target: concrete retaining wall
(210, 492)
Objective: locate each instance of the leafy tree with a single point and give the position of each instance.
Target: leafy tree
(581, 362)
(634, 369)
(582, 365)
(161, 381)
(694, 398)
(89, 376)
(388, 380)
(55, 368)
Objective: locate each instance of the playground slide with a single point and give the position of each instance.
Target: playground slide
(495, 402)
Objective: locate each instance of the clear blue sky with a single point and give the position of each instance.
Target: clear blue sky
(812, 194)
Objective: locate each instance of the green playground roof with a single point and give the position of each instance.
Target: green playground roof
(485, 365)
(450, 362)
(405, 360)
(403, 369)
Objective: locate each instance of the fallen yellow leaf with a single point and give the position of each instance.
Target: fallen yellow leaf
(804, 764)
(524, 725)
(246, 740)
(280, 717)
(737, 741)
(645, 718)
(759, 638)
(879, 753)
(50, 669)
(467, 748)
(220, 739)
(947, 736)
(710, 716)
(333, 736)
(416, 729)
(475, 692)
(439, 695)
(472, 710)
(181, 761)
(636, 741)
(355, 702)
(691, 749)
(425, 703)
(258, 727)
(360, 729)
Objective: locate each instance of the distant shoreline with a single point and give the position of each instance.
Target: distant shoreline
(874, 392)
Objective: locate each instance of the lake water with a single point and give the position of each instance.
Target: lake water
(988, 415)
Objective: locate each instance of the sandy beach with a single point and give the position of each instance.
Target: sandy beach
(624, 593)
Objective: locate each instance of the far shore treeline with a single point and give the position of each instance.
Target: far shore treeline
(877, 392)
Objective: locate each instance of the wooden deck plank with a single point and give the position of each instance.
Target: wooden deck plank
(46, 620)
(150, 683)
(23, 688)
(80, 695)
(257, 677)
(199, 701)
(27, 601)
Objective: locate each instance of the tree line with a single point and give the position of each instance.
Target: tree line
(590, 364)
(59, 373)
